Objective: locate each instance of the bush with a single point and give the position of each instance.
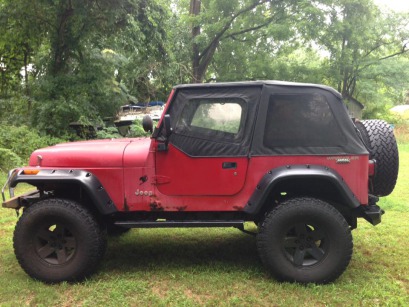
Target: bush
(108, 133)
(137, 130)
(9, 160)
(89, 91)
(14, 109)
(22, 141)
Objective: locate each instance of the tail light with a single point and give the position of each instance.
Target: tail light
(371, 168)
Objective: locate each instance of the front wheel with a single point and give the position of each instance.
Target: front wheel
(305, 240)
(58, 240)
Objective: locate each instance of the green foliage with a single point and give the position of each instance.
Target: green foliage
(77, 55)
(108, 133)
(9, 160)
(20, 37)
(137, 130)
(362, 43)
(14, 110)
(22, 141)
(237, 27)
(68, 61)
(146, 44)
(88, 92)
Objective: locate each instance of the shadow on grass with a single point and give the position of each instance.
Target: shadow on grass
(164, 250)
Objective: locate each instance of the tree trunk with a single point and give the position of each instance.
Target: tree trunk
(60, 45)
(197, 77)
(27, 86)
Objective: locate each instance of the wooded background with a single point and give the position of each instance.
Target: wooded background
(79, 60)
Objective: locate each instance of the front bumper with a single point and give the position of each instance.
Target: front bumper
(16, 202)
(12, 174)
(22, 200)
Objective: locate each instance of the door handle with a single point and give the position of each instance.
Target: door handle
(229, 165)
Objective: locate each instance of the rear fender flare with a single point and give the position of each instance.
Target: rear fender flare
(307, 172)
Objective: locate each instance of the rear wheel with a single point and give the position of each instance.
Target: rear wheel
(58, 240)
(305, 240)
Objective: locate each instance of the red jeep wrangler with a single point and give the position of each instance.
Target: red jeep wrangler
(285, 156)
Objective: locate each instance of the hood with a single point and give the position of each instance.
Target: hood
(87, 154)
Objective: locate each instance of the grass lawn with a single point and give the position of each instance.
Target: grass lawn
(191, 267)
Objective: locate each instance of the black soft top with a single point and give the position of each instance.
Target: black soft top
(258, 83)
(279, 118)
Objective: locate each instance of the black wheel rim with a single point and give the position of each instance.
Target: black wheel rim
(305, 245)
(55, 244)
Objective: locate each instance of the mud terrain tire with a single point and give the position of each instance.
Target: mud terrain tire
(381, 143)
(305, 240)
(58, 240)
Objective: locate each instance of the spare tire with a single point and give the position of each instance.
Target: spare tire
(380, 141)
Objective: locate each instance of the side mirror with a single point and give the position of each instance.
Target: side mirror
(147, 123)
(167, 131)
(166, 126)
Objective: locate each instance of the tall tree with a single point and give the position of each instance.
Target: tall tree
(213, 22)
(145, 46)
(77, 54)
(358, 36)
(21, 35)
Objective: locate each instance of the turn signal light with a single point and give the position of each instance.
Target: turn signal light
(31, 171)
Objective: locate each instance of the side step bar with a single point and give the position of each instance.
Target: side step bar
(180, 224)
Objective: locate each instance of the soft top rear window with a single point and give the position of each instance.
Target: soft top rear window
(306, 120)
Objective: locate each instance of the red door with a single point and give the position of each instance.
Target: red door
(207, 152)
(180, 174)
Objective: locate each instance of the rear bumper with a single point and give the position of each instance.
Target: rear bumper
(372, 213)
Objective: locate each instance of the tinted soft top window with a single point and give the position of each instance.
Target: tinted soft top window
(295, 120)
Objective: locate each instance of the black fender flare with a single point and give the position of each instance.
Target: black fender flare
(86, 180)
(277, 175)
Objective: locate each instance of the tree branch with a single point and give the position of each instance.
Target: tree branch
(249, 29)
(227, 25)
(403, 50)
